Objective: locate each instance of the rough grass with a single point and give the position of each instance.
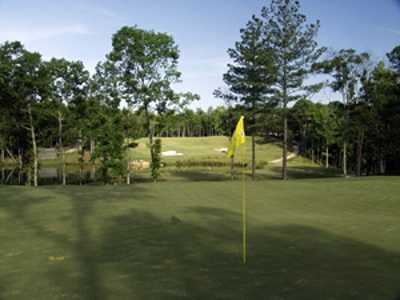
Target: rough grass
(308, 239)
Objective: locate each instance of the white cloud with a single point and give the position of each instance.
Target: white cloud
(35, 34)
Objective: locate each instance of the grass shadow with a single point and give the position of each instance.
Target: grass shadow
(165, 260)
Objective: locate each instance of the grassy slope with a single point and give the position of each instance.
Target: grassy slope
(308, 239)
(203, 148)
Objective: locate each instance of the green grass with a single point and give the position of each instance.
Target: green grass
(308, 239)
(203, 148)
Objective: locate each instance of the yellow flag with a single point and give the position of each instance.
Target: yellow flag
(238, 138)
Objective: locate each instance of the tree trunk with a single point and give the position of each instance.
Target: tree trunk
(128, 174)
(360, 152)
(344, 159)
(34, 148)
(80, 146)
(285, 147)
(92, 146)
(382, 168)
(253, 155)
(20, 162)
(327, 156)
(312, 154)
(346, 120)
(61, 146)
(2, 156)
(149, 133)
(11, 155)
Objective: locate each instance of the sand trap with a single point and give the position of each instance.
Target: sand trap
(222, 150)
(277, 161)
(171, 153)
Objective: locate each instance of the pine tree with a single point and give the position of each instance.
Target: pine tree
(295, 50)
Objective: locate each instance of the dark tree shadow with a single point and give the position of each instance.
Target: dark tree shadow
(82, 248)
(165, 260)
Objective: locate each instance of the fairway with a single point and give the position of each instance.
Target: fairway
(308, 239)
(205, 148)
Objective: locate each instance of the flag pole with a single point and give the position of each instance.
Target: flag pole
(244, 221)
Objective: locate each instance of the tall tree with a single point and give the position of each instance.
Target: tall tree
(250, 76)
(146, 66)
(68, 81)
(293, 41)
(25, 81)
(347, 68)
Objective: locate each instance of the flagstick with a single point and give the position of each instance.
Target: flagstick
(244, 207)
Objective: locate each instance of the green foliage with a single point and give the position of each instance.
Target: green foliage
(295, 48)
(251, 74)
(156, 159)
(144, 64)
(394, 58)
(109, 147)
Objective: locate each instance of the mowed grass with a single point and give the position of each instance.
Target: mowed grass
(204, 148)
(308, 239)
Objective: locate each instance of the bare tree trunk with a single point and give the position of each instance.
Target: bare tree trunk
(11, 155)
(344, 159)
(285, 147)
(80, 146)
(128, 174)
(34, 148)
(312, 154)
(360, 152)
(61, 146)
(149, 133)
(20, 162)
(382, 168)
(346, 120)
(327, 156)
(2, 156)
(253, 155)
(92, 146)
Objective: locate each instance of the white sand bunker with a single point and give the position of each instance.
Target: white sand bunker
(171, 153)
(222, 150)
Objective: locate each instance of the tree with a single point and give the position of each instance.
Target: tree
(394, 58)
(105, 121)
(381, 94)
(295, 51)
(347, 68)
(25, 83)
(145, 63)
(250, 75)
(68, 82)
(326, 127)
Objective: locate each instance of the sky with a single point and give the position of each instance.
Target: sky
(203, 30)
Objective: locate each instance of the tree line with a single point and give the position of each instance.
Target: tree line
(59, 103)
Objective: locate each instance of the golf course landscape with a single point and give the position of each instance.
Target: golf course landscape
(200, 150)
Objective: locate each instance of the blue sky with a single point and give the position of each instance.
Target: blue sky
(204, 30)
